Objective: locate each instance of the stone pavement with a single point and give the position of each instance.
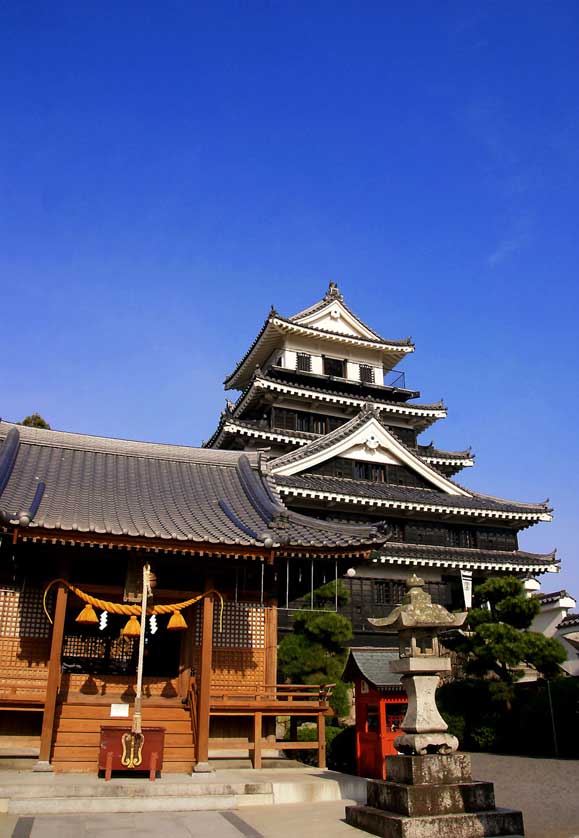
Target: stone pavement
(546, 791)
(311, 821)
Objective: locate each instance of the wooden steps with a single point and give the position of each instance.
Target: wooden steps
(78, 723)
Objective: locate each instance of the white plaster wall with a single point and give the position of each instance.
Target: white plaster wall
(372, 570)
(360, 452)
(571, 665)
(316, 348)
(546, 622)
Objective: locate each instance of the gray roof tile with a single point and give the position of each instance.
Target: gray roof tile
(373, 665)
(138, 489)
(404, 494)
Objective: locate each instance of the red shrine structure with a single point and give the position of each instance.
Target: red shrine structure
(380, 702)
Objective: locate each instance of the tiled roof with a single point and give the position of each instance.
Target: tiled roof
(407, 342)
(427, 554)
(430, 451)
(275, 325)
(343, 386)
(569, 620)
(425, 414)
(370, 492)
(50, 480)
(548, 599)
(332, 294)
(325, 441)
(373, 665)
(228, 425)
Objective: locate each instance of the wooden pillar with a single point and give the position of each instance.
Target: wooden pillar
(321, 740)
(53, 682)
(203, 706)
(270, 666)
(271, 644)
(257, 733)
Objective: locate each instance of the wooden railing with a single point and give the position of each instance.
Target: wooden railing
(282, 695)
(307, 701)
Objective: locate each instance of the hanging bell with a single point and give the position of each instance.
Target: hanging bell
(132, 628)
(87, 616)
(177, 622)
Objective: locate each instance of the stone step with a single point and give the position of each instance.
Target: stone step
(131, 789)
(495, 824)
(441, 799)
(61, 794)
(110, 805)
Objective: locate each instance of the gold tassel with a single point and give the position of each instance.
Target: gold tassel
(87, 615)
(132, 628)
(177, 622)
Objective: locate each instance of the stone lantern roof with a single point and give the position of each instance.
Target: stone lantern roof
(418, 611)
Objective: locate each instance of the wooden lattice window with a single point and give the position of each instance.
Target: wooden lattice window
(243, 626)
(304, 362)
(366, 374)
(21, 612)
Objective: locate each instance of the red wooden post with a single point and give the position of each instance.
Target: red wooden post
(153, 765)
(109, 766)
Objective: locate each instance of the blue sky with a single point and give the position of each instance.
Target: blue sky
(169, 170)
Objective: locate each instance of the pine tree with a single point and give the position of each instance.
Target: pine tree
(498, 642)
(35, 420)
(315, 652)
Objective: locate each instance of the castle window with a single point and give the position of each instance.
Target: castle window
(388, 592)
(304, 362)
(366, 374)
(335, 367)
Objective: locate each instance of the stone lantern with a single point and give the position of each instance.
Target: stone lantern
(429, 790)
(418, 621)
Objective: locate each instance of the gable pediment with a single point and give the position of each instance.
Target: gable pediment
(369, 441)
(335, 317)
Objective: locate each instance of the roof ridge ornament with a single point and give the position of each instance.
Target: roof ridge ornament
(333, 293)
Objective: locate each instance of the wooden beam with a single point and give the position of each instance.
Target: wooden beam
(53, 684)
(66, 537)
(203, 718)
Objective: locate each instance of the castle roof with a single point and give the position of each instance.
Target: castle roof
(312, 323)
(420, 415)
(428, 555)
(368, 428)
(387, 496)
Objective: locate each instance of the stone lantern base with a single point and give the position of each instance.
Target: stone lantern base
(433, 796)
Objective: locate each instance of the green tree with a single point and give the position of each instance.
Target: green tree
(315, 652)
(498, 641)
(35, 420)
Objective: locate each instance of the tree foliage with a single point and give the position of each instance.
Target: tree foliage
(315, 652)
(498, 641)
(35, 420)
